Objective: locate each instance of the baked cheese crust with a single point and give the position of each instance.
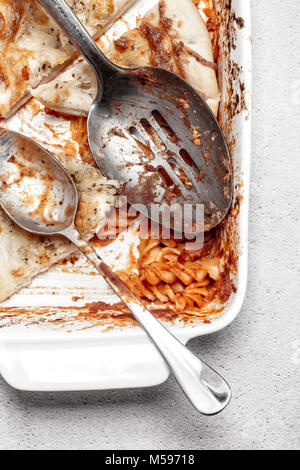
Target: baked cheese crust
(33, 49)
(172, 36)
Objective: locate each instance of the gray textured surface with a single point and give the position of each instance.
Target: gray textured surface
(260, 352)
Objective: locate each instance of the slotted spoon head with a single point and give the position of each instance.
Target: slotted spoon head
(153, 132)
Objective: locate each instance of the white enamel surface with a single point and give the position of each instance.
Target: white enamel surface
(47, 359)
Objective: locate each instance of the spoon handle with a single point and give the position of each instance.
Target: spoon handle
(82, 40)
(206, 389)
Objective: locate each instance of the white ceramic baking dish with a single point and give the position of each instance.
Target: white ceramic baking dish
(40, 357)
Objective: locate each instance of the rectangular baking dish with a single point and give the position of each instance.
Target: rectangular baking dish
(39, 355)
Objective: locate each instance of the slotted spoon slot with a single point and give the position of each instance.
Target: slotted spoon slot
(135, 133)
(153, 135)
(183, 158)
(173, 178)
(141, 142)
(168, 181)
(188, 159)
(168, 131)
(179, 172)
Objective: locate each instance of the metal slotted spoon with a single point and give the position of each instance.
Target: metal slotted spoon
(39, 195)
(149, 129)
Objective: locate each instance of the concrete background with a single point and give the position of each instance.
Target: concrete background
(260, 353)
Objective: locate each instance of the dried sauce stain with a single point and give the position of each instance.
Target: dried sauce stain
(166, 51)
(197, 135)
(144, 190)
(78, 128)
(160, 45)
(116, 132)
(181, 48)
(72, 260)
(13, 73)
(122, 43)
(226, 20)
(69, 211)
(17, 272)
(182, 104)
(91, 315)
(79, 143)
(240, 22)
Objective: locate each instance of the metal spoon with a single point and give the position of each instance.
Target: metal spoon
(149, 129)
(39, 195)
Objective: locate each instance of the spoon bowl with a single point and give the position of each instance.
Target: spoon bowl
(35, 189)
